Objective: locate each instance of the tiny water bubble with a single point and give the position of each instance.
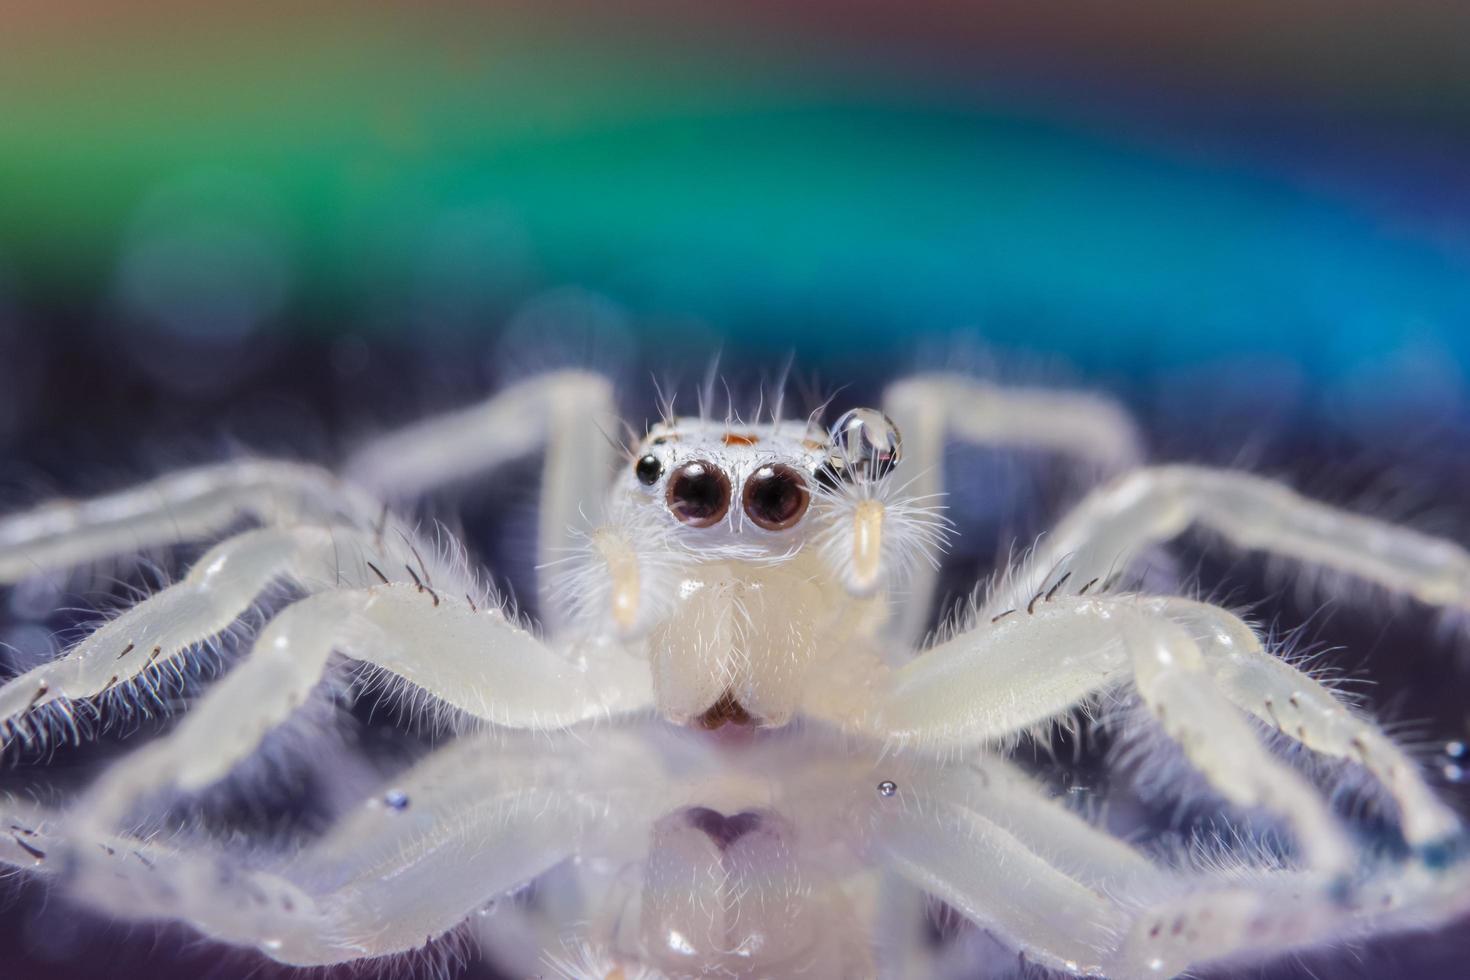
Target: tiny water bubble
(396, 799)
(887, 788)
(1456, 749)
(1454, 772)
(865, 445)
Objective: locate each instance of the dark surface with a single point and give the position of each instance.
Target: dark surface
(87, 410)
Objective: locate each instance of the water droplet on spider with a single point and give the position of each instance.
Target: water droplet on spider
(887, 788)
(396, 799)
(865, 445)
(1454, 773)
(1456, 749)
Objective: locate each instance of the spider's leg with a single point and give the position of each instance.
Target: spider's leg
(933, 409)
(464, 826)
(951, 847)
(217, 590)
(1258, 913)
(992, 681)
(570, 413)
(471, 822)
(1014, 802)
(191, 505)
(1300, 708)
(475, 660)
(162, 879)
(1009, 802)
(1117, 522)
(1134, 917)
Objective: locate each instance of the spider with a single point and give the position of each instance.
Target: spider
(728, 747)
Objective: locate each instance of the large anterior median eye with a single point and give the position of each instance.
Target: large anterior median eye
(775, 497)
(699, 493)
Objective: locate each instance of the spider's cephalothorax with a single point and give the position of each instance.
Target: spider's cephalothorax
(778, 577)
(751, 562)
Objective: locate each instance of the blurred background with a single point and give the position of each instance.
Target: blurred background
(278, 228)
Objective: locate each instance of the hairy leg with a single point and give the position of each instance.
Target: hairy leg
(166, 879)
(220, 587)
(1300, 708)
(1071, 891)
(957, 853)
(1118, 522)
(190, 505)
(1023, 670)
(570, 413)
(933, 409)
(471, 659)
(1250, 914)
(474, 822)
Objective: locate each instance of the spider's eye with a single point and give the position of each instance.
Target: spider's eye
(775, 497)
(648, 469)
(699, 493)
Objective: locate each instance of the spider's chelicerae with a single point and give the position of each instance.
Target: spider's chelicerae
(727, 749)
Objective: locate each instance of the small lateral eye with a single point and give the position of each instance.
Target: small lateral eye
(775, 497)
(699, 493)
(648, 468)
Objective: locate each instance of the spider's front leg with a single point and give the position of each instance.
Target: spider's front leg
(1116, 523)
(155, 633)
(474, 660)
(1195, 669)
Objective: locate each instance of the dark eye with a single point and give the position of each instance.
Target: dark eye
(775, 497)
(648, 469)
(699, 493)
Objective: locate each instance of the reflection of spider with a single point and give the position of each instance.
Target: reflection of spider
(720, 755)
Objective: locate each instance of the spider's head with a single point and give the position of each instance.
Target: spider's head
(748, 490)
(696, 492)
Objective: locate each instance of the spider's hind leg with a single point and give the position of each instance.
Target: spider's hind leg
(568, 413)
(190, 505)
(933, 410)
(1116, 523)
